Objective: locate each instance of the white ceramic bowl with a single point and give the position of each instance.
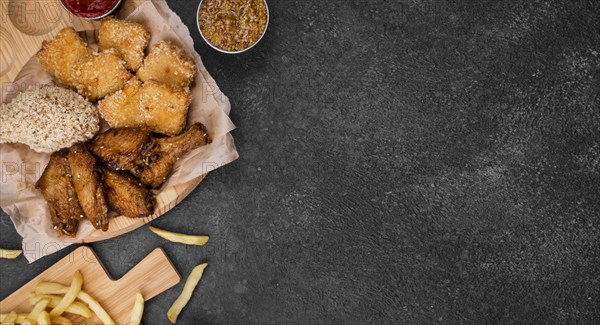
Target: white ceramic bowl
(225, 51)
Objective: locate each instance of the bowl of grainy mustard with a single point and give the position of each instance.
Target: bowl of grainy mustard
(232, 26)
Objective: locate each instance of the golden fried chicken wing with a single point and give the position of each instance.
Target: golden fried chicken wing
(60, 54)
(101, 74)
(127, 196)
(160, 107)
(169, 64)
(57, 188)
(88, 186)
(156, 163)
(129, 38)
(120, 148)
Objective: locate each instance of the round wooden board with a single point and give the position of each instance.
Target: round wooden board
(165, 201)
(27, 25)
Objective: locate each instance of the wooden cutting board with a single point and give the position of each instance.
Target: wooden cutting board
(153, 275)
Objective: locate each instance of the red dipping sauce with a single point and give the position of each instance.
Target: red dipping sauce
(90, 9)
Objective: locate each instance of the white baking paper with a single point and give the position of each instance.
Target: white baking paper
(22, 167)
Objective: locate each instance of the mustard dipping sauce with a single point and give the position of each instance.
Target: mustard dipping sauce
(232, 25)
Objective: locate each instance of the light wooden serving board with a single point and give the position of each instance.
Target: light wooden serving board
(153, 275)
(24, 25)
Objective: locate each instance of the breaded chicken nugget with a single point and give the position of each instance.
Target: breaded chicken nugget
(102, 74)
(128, 38)
(161, 108)
(165, 107)
(60, 54)
(169, 64)
(123, 108)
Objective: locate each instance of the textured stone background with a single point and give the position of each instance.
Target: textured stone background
(411, 161)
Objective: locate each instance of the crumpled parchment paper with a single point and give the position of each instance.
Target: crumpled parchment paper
(22, 167)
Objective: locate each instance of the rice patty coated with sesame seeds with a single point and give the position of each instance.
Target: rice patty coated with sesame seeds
(48, 118)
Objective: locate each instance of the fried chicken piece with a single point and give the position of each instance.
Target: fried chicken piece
(73, 63)
(88, 186)
(120, 148)
(60, 54)
(127, 196)
(169, 64)
(156, 163)
(149, 158)
(165, 107)
(160, 107)
(100, 75)
(123, 108)
(57, 187)
(128, 38)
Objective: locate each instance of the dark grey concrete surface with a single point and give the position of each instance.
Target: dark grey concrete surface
(406, 162)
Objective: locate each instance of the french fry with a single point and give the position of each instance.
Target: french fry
(138, 310)
(58, 289)
(76, 307)
(50, 288)
(96, 308)
(61, 320)
(70, 296)
(44, 318)
(26, 321)
(39, 307)
(180, 238)
(186, 293)
(10, 253)
(19, 320)
(10, 318)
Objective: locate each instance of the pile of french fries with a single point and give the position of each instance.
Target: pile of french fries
(51, 300)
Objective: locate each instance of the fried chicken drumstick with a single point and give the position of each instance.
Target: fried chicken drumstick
(156, 163)
(148, 157)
